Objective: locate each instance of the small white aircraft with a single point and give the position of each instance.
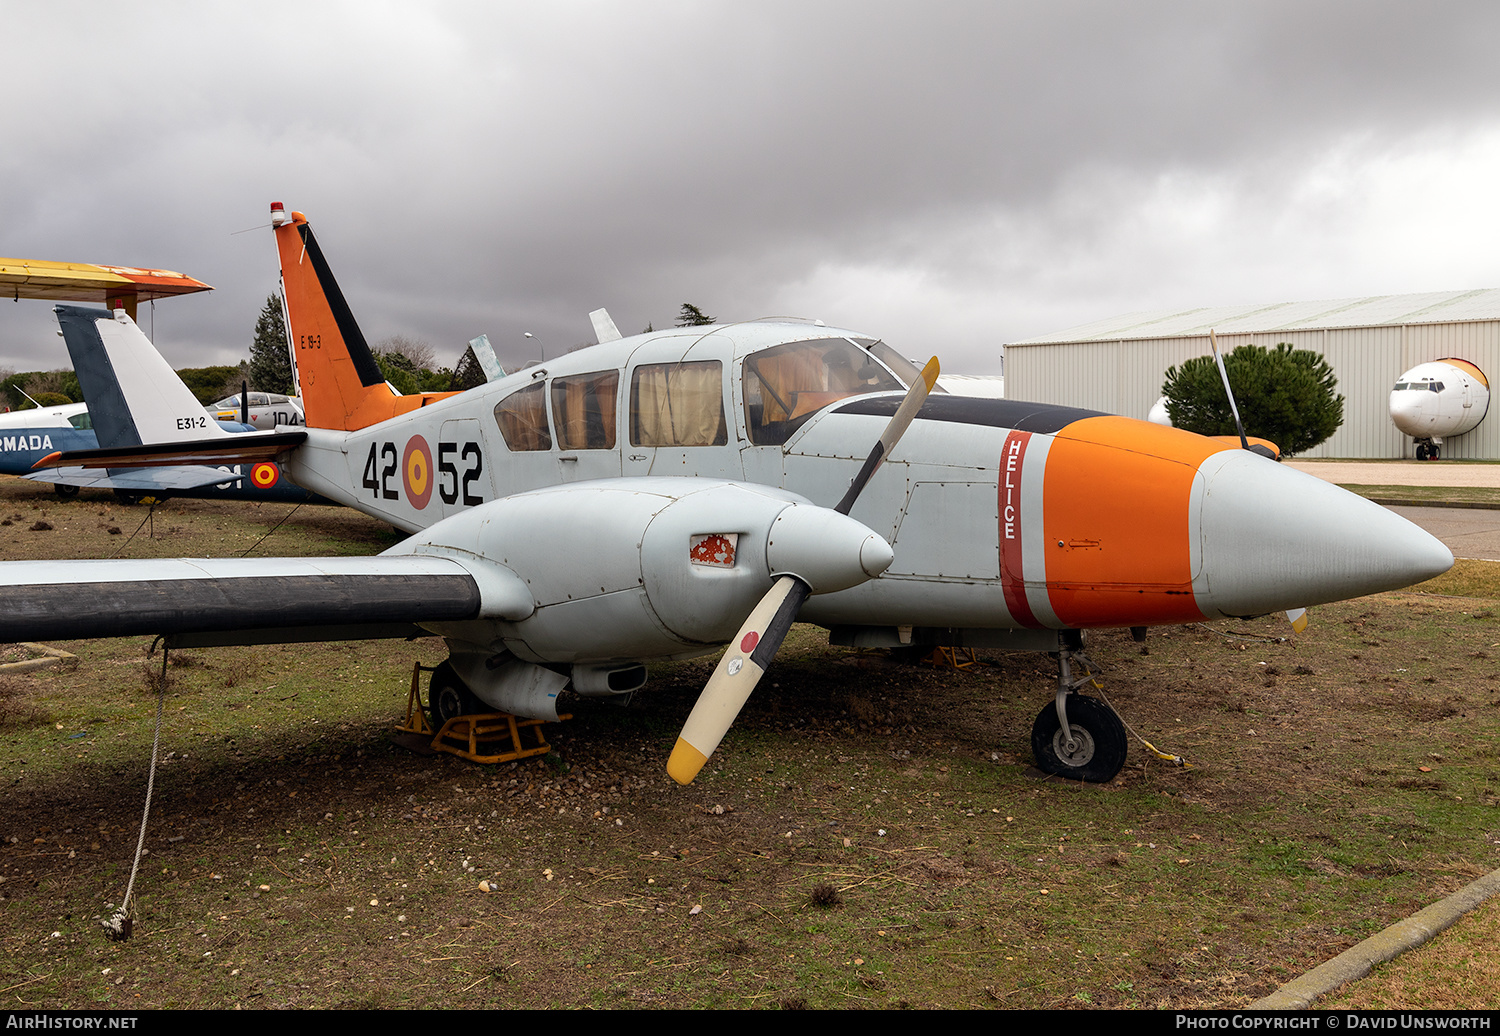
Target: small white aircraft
(260, 410)
(1438, 400)
(659, 496)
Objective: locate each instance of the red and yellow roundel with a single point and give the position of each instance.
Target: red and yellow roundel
(264, 475)
(416, 471)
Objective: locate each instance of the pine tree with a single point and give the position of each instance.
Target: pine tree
(691, 316)
(270, 359)
(1285, 395)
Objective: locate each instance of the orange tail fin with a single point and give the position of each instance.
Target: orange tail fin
(342, 386)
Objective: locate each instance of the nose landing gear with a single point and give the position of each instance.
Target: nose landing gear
(1076, 737)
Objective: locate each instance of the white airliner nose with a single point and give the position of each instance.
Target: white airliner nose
(1274, 538)
(1413, 412)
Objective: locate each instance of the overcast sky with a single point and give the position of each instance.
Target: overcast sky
(949, 176)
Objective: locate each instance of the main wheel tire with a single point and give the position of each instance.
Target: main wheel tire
(1423, 453)
(64, 492)
(448, 696)
(1100, 746)
(1436, 453)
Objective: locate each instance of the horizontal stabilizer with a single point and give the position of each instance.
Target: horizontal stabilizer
(152, 480)
(246, 448)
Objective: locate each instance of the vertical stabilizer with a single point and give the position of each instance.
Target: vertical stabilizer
(134, 395)
(342, 386)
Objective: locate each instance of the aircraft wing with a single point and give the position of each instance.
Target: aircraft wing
(251, 600)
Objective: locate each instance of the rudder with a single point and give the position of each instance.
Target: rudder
(342, 387)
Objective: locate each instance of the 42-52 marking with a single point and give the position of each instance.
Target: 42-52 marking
(458, 468)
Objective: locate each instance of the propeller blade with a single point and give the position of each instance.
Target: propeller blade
(1213, 342)
(894, 429)
(736, 675)
(756, 644)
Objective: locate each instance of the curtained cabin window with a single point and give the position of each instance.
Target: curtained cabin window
(678, 404)
(522, 417)
(584, 408)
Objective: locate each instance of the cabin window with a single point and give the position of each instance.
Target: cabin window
(678, 404)
(786, 385)
(584, 407)
(82, 421)
(522, 417)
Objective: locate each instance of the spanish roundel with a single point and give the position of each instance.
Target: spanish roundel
(264, 475)
(416, 471)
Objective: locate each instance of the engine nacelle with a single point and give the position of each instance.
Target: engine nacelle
(650, 567)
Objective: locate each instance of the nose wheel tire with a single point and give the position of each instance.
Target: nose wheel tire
(448, 697)
(1099, 744)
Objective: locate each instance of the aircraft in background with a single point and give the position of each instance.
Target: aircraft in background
(261, 410)
(122, 287)
(137, 399)
(26, 436)
(1437, 400)
(658, 496)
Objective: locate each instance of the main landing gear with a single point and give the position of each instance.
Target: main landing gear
(1076, 737)
(1428, 450)
(463, 725)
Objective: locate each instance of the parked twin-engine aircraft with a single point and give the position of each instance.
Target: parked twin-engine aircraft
(1438, 400)
(658, 496)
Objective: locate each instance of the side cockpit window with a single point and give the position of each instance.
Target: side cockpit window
(786, 385)
(83, 421)
(678, 404)
(584, 406)
(522, 417)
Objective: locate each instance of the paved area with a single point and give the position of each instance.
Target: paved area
(1401, 472)
(1468, 532)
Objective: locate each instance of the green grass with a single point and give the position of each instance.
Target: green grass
(1430, 496)
(1467, 578)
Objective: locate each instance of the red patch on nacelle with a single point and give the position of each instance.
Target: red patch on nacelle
(715, 549)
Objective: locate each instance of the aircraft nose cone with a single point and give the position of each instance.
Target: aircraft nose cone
(826, 550)
(1274, 538)
(1408, 411)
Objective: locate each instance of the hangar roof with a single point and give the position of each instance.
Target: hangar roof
(1434, 307)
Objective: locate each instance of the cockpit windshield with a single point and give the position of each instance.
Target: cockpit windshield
(786, 385)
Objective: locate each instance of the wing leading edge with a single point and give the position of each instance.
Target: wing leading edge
(240, 600)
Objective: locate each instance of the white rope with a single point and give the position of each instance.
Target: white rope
(119, 925)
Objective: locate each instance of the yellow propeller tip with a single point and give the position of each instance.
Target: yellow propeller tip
(930, 373)
(685, 762)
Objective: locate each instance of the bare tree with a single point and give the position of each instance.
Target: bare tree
(421, 355)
